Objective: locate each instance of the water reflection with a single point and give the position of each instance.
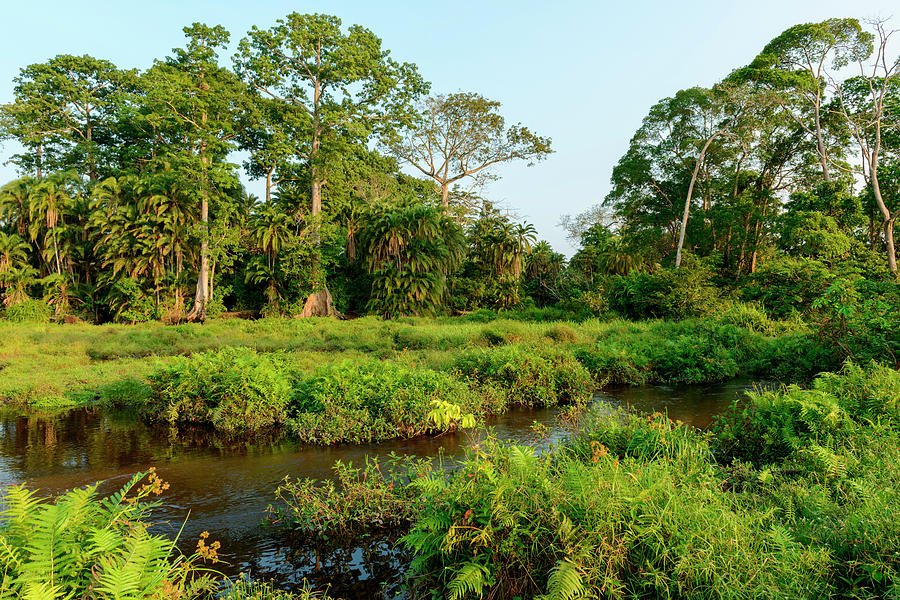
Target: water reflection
(224, 487)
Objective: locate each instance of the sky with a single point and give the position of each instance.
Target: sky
(583, 73)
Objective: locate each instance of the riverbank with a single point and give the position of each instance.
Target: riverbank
(793, 495)
(324, 380)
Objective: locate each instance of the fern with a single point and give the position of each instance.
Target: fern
(471, 578)
(82, 546)
(565, 582)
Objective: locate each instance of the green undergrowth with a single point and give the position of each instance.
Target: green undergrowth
(792, 495)
(179, 373)
(84, 545)
(242, 391)
(373, 401)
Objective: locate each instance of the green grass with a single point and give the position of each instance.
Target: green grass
(497, 362)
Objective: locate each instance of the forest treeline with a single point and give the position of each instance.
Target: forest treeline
(778, 185)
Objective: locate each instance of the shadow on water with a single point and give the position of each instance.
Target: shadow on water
(225, 488)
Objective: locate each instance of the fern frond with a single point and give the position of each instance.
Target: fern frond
(565, 582)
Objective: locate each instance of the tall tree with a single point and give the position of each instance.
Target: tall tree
(74, 99)
(462, 135)
(796, 64)
(343, 85)
(870, 103)
(195, 104)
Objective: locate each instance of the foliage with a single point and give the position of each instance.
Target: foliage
(372, 401)
(233, 389)
(410, 251)
(35, 311)
(361, 499)
(527, 375)
(786, 285)
(82, 545)
(667, 293)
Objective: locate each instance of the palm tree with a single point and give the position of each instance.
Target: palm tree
(269, 230)
(13, 251)
(410, 251)
(617, 259)
(49, 200)
(14, 201)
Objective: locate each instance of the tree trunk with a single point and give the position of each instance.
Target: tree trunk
(56, 253)
(882, 207)
(889, 245)
(687, 204)
(445, 194)
(820, 147)
(201, 297)
(319, 304)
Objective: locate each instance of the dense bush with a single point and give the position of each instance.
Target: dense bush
(233, 389)
(666, 293)
(28, 311)
(775, 424)
(860, 319)
(527, 375)
(371, 400)
(786, 285)
(693, 351)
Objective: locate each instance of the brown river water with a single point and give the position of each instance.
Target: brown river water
(225, 489)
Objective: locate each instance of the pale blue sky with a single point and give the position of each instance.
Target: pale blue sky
(583, 73)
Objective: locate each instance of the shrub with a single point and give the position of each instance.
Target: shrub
(775, 424)
(513, 524)
(233, 389)
(357, 500)
(785, 285)
(371, 401)
(33, 311)
(245, 589)
(693, 351)
(749, 316)
(528, 376)
(667, 293)
(503, 332)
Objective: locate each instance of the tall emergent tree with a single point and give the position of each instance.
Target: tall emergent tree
(462, 135)
(870, 103)
(194, 104)
(796, 64)
(342, 86)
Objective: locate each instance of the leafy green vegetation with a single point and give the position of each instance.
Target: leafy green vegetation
(371, 401)
(80, 544)
(748, 231)
(790, 496)
(233, 389)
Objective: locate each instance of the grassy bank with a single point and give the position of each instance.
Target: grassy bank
(792, 496)
(329, 381)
